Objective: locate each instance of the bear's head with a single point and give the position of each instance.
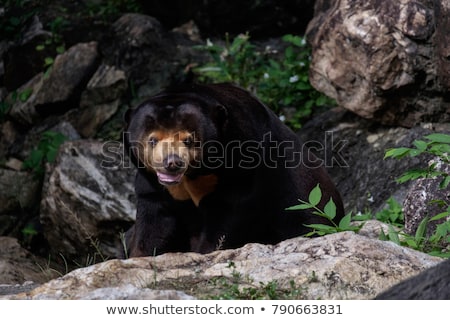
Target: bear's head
(165, 136)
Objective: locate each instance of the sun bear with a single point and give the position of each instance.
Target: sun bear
(217, 169)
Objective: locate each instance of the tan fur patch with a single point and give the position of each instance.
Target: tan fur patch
(194, 189)
(166, 142)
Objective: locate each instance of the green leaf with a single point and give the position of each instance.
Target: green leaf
(383, 236)
(440, 216)
(322, 228)
(421, 145)
(302, 206)
(330, 209)
(439, 137)
(344, 224)
(445, 182)
(315, 195)
(48, 61)
(393, 235)
(421, 229)
(25, 94)
(40, 47)
(397, 153)
(60, 49)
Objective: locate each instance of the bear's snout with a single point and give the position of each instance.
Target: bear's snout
(173, 163)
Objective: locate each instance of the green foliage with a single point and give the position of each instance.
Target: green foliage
(15, 96)
(328, 212)
(240, 287)
(279, 83)
(16, 16)
(436, 244)
(55, 44)
(436, 144)
(393, 214)
(45, 151)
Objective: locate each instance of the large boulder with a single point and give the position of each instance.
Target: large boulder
(338, 266)
(60, 89)
(384, 60)
(88, 200)
(424, 200)
(353, 149)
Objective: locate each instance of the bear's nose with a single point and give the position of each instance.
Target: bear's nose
(173, 163)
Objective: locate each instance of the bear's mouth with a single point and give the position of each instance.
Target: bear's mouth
(169, 178)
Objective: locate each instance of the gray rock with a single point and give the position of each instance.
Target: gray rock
(379, 58)
(419, 202)
(88, 200)
(19, 195)
(338, 266)
(60, 90)
(353, 150)
(19, 270)
(431, 284)
(100, 101)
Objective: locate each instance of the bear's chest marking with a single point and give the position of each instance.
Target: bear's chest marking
(194, 189)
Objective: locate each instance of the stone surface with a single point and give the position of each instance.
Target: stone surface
(101, 99)
(19, 196)
(379, 59)
(338, 266)
(419, 202)
(88, 200)
(353, 152)
(18, 266)
(60, 90)
(431, 284)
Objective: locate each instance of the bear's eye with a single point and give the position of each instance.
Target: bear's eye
(153, 141)
(189, 141)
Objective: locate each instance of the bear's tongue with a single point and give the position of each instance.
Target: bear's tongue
(165, 178)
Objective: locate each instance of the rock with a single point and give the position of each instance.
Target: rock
(268, 18)
(19, 198)
(382, 60)
(29, 141)
(60, 90)
(419, 204)
(100, 101)
(148, 54)
(9, 134)
(338, 266)
(18, 266)
(431, 284)
(88, 200)
(352, 150)
(22, 61)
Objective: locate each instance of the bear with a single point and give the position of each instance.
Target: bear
(216, 169)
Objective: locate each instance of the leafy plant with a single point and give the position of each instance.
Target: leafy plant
(45, 151)
(16, 16)
(436, 244)
(15, 96)
(393, 214)
(328, 212)
(55, 44)
(278, 82)
(436, 144)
